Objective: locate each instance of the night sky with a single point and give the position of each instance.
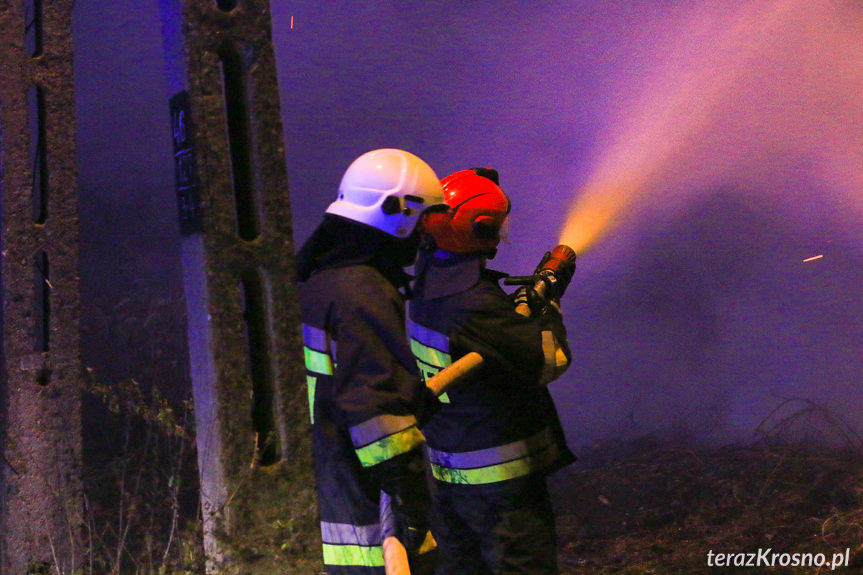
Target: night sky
(702, 156)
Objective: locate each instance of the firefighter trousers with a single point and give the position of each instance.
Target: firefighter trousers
(502, 529)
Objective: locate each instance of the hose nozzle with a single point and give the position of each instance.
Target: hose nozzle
(548, 282)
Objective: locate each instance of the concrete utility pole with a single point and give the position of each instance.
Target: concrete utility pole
(41, 501)
(254, 452)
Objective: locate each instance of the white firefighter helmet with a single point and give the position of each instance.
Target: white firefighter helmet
(388, 189)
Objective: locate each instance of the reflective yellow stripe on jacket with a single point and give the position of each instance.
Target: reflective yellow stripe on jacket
(495, 464)
(384, 437)
(317, 351)
(431, 350)
(483, 466)
(352, 545)
(375, 440)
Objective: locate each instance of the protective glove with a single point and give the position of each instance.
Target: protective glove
(427, 406)
(534, 300)
(405, 486)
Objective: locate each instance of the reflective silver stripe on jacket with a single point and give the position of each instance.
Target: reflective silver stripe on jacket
(555, 360)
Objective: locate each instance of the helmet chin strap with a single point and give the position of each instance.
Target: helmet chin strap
(405, 252)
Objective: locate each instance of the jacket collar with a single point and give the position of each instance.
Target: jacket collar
(441, 273)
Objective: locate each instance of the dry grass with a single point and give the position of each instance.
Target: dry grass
(652, 508)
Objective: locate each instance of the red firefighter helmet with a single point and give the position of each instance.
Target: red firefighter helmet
(478, 210)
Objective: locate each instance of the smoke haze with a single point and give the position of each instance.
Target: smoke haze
(694, 154)
(761, 96)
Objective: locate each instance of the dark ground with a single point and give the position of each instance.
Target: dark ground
(653, 505)
(651, 508)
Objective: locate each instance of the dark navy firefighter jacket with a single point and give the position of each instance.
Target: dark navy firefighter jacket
(500, 425)
(363, 391)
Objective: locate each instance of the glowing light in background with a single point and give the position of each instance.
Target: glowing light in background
(743, 96)
(813, 258)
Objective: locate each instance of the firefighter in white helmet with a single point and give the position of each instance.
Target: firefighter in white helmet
(497, 434)
(367, 400)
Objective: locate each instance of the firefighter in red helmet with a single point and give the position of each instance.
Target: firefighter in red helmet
(366, 397)
(497, 435)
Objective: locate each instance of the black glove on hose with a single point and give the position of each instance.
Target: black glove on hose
(404, 483)
(428, 406)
